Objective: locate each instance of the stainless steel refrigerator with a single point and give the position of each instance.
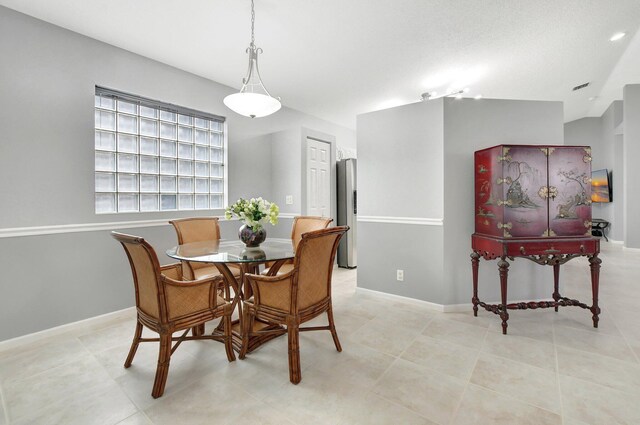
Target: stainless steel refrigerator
(347, 211)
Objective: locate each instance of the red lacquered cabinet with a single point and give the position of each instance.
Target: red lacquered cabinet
(534, 202)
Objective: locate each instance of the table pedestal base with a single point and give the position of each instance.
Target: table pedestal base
(255, 341)
(271, 331)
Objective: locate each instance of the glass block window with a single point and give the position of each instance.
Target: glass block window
(151, 156)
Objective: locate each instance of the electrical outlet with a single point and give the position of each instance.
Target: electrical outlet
(289, 200)
(400, 275)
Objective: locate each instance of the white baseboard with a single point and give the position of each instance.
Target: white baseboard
(450, 308)
(63, 329)
(625, 248)
(443, 308)
(611, 241)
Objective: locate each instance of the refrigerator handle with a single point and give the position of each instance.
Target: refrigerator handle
(355, 202)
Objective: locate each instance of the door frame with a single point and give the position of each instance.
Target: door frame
(331, 140)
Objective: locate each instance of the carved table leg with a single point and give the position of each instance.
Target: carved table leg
(474, 267)
(556, 283)
(503, 266)
(594, 262)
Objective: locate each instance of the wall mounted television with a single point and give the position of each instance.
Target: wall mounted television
(601, 186)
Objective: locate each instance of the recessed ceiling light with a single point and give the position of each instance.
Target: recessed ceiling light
(618, 36)
(478, 96)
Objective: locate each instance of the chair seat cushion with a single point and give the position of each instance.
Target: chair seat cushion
(286, 268)
(212, 271)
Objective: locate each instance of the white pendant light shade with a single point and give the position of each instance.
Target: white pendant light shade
(253, 105)
(254, 100)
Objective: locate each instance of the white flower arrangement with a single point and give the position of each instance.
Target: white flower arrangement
(253, 212)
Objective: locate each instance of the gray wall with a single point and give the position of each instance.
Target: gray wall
(289, 167)
(589, 131)
(47, 81)
(618, 183)
(400, 168)
(286, 171)
(250, 168)
(384, 248)
(400, 172)
(614, 162)
(470, 125)
(417, 161)
(607, 147)
(631, 119)
(47, 89)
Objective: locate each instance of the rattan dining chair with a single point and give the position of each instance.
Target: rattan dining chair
(298, 296)
(166, 304)
(301, 224)
(198, 229)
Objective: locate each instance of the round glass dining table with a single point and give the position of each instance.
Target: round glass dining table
(222, 254)
(229, 252)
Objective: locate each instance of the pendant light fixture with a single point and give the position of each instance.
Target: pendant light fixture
(253, 100)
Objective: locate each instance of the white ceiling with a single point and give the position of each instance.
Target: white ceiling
(337, 58)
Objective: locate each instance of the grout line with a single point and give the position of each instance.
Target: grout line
(3, 403)
(53, 367)
(382, 375)
(555, 352)
(600, 354)
(144, 414)
(624, 338)
(464, 391)
(427, 368)
(400, 406)
(64, 397)
(516, 399)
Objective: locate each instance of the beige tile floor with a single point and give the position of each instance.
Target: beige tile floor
(401, 364)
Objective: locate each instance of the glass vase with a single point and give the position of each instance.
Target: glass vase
(252, 238)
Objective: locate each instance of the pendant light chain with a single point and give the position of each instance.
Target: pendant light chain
(253, 21)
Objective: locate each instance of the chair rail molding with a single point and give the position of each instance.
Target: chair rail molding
(424, 221)
(14, 232)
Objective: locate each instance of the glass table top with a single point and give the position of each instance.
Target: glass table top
(231, 252)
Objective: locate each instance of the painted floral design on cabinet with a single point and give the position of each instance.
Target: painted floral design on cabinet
(533, 191)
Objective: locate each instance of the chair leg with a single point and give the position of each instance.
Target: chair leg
(228, 341)
(162, 370)
(198, 330)
(334, 333)
(247, 327)
(134, 345)
(293, 333)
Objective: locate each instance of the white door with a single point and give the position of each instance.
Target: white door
(318, 178)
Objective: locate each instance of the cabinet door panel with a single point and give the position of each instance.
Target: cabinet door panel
(570, 191)
(525, 173)
(488, 172)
